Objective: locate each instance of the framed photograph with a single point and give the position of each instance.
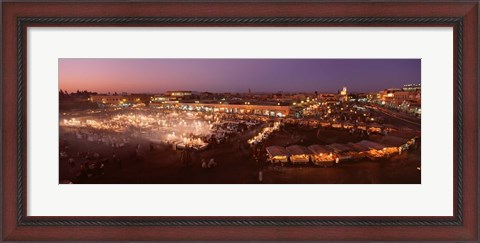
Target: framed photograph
(240, 121)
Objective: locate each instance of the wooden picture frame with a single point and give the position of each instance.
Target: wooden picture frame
(18, 16)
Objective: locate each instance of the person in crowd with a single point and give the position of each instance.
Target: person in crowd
(211, 163)
(151, 146)
(82, 175)
(194, 155)
(204, 164)
(101, 168)
(119, 162)
(137, 153)
(71, 161)
(91, 169)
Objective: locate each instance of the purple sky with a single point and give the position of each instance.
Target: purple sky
(236, 75)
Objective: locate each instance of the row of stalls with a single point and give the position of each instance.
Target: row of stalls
(370, 127)
(328, 155)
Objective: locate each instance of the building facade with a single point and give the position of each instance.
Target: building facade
(116, 99)
(265, 110)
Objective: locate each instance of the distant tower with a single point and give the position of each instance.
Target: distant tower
(249, 91)
(344, 94)
(344, 90)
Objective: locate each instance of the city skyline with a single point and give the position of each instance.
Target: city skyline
(236, 75)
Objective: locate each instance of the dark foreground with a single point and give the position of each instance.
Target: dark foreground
(236, 166)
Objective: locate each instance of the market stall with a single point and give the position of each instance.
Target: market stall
(358, 151)
(339, 148)
(322, 155)
(375, 128)
(277, 154)
(394, 144)
(376, 150)
(299, 154)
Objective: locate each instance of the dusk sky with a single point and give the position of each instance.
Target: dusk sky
(235, 75)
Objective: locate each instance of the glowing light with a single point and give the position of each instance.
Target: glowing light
(265, 133)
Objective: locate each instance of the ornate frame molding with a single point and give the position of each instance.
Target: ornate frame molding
(23, 22)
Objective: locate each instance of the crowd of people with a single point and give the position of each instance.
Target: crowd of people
(187, 132)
